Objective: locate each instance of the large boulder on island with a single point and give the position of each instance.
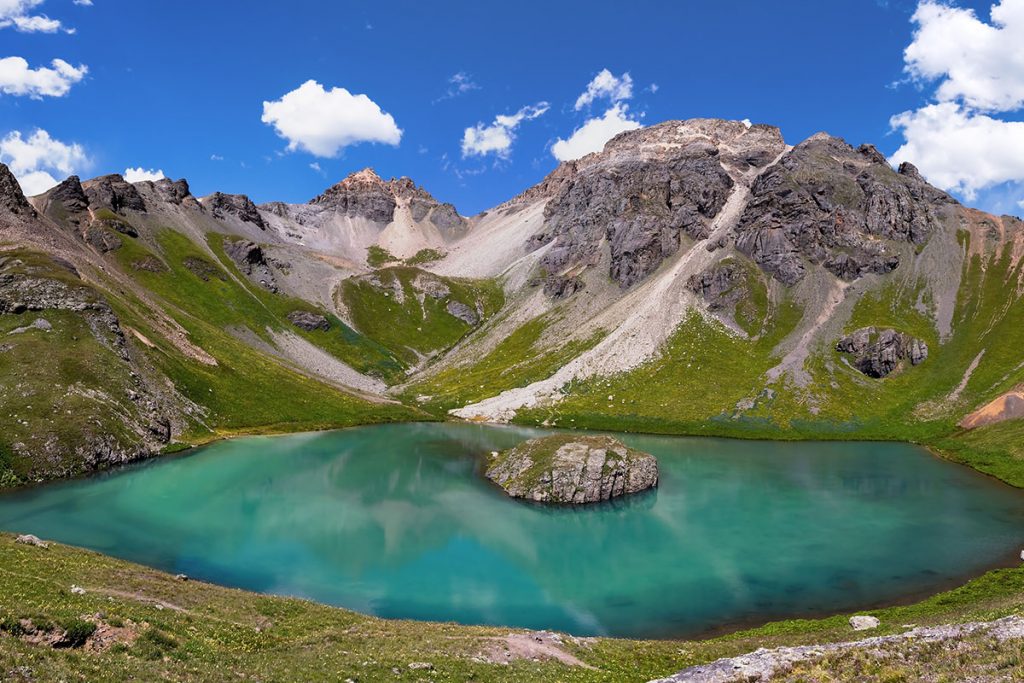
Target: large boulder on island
(568, 468)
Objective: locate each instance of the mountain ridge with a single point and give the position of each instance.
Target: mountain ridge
(616, 293)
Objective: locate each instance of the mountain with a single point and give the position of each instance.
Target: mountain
(696, 276)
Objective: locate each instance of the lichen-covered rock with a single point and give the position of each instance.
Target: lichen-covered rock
(827, 203)
(240, 206)
(572, 469)
(877, 353)
(306, 320)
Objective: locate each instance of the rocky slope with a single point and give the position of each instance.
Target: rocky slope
(695, 276)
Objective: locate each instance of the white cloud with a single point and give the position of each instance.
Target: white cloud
(316, 167)
(606, 84)
(591, 136)
(459, 84)
(135, 175)
(957, 141)
(33, 160)
(979, 64)
(497, 138)
(323, 122)
(17, 78)
(958, 150)
(216, 157)
(17, 13)
(83, 3)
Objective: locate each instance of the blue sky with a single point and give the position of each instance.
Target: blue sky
(181, 87)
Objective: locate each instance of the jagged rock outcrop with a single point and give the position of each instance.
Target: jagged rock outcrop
(562, 286)
(361, 194)
(645, 192)
(113, 192)
(251, 260)
(12, 198)
(174, 191)
(877, 353)
(572, 469)
(240, 206)
(306, 320)
(70, 197)
(830, 204)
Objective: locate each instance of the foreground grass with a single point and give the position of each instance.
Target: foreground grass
(192, 631)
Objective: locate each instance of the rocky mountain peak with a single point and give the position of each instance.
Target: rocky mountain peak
(113, 192)
(646, 191)
(826, 203)
(240, 206)
(11, 197)
(361, 194)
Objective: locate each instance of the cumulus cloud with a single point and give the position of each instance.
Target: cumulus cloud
(591, 136)
(134, 175)
(980, 64)
(83, 3)
(17, 78)
(606, 85)
(34, 159)
(18, 13)
(497, 138)
(977, 69)
(323, 122)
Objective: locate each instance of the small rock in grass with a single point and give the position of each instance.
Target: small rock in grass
(425, 666)
(29, 539)
(181, 577)
(77, 590)
(863, 623)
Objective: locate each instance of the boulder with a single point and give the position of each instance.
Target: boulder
(251, 260)
(237, 205)
(305, 320)
(572, 469)
(463, 312)
(864, 623)
(29, 539)
(877, 353)
(11, 197)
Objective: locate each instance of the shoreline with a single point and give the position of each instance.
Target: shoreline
(1009, 560)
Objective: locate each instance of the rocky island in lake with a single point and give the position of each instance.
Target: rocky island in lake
(572, 469)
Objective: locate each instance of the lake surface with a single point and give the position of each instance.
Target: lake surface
(395, 521)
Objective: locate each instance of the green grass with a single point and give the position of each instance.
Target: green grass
(378, 256)
(516, 361)
(997, 450)
(424, 256)
(418, 324)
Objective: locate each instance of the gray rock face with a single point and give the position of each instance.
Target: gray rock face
(250, 259)
(463, 312)
(308, 321)
(878, 353)
(173, 191)
(719, 285)
(562, 286)
(448, 221)
(830, 204)
(238, 205)
(12, 198)
(70, 196)
(361, 194)
(572, 469)
(114, 193)
(646, 191)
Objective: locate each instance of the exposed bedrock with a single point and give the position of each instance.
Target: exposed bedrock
(647, 191)
(830, 204)
(251, 260)
(572, 469)
(113, 192)
(877, 353)
(240, 206)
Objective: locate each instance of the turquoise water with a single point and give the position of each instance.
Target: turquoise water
(396, 521)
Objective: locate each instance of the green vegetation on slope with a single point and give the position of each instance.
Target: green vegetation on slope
(997, 450)
(516, 361)
(395, 307)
